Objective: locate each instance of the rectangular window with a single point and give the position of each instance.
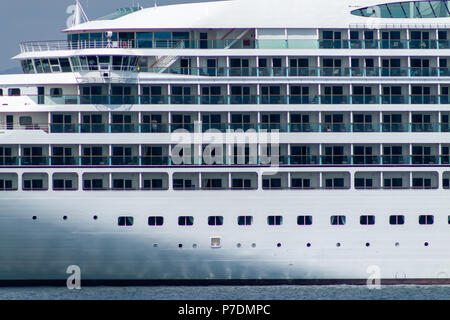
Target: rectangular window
(181, 184)
(273, 183)
(186, 221)
(397, 220)
(125, 221)
(56, 92)
(298, 183)
(275, 220)
(155, 221)
(336, 183)
(93, 184)
(14, 92)
(35, 184)
(426, 219)
(245, 220)
(446, 183)
(62, 184)
(154, 184)
(362, 183)
(337, 220)
(304, 220)
(6, 185)
(215, 221)
(367, 220)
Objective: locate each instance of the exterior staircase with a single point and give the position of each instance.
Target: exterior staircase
(165, 62)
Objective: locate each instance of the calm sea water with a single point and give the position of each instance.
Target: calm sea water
(341, 292)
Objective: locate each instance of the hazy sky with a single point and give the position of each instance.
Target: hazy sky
(28, 20)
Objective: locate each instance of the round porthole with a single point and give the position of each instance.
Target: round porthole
(308, 245)
(338, 244)
(238, 245)
(180, 245)
(95, 217)
(194, 246)
(34, 217)
(65, 218)
(253, 245)
(397, 244)
(367, 244)
(426, 244)
(278, 245)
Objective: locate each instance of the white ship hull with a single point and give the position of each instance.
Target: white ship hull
(42, 249)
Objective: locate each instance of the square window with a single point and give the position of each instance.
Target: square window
(155, 221)
(304, 220)
(186, 221)
(367, 220)
(275, 220)
(397, 220)
(245, 220)
(125, 221)
(215, 221)
(338, 220)
(426, 219)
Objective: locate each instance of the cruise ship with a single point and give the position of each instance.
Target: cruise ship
(239, 141)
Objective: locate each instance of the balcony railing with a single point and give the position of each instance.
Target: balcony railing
(308, 72)
(60, 45)
(245, 160)
(240, 100)
(285, 127)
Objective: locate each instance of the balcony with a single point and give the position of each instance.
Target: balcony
(186, 44)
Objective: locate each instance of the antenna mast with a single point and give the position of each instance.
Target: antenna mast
(79, 15)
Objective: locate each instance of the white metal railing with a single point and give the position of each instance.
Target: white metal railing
(60, 45)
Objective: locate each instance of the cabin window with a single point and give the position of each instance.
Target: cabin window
(215, 221)
(241, 184)
(93, 184)
(273, 183)
(154, 184)
(245, 220)
(183, 184)
(367, 220)
(338, 220)
(33, 184)
(186, 221)
(62, 184)
(426, 219)
(304, 220)
(275, 220)
(6, 185)
(397, 220)
(25, 121)
(56, 92)
(14, 92)
(125, 221)
(155, 221)
(336, 183)
(122, 184)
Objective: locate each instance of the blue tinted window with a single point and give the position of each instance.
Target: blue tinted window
(407, 9)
